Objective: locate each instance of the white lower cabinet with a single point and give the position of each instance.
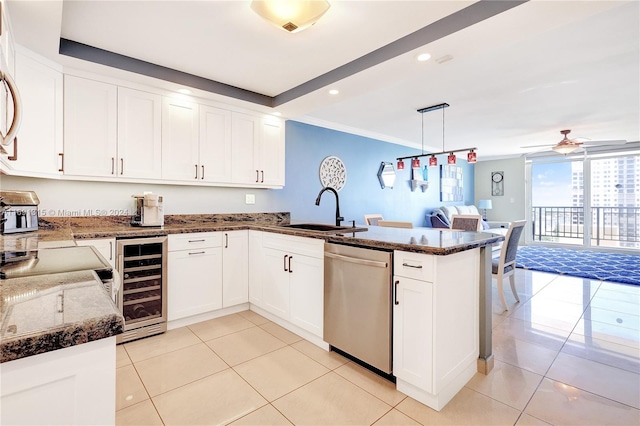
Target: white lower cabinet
(292, 282)
(194, 272)
(235, 268)
(74, 385)
(256, 268)
(435, 324)
(105, 246)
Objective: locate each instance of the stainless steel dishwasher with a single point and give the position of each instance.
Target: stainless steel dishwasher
(357, 303)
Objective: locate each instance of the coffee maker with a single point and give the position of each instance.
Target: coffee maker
(148, 210)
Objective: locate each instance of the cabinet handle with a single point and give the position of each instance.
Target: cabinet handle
(262, 180)
(61, 155)
(196, 241)
(14, 157)
(112, 165)
(257, 176)
(290, 270)
(60, 303)
(285, 262)
(196, 252)
(395, 292)
(110, 250)
(412, 266)
(121, 165)
(202, 172)
(196, 176)
(226, 240)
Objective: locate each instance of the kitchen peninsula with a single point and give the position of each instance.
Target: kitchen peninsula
(456, 264)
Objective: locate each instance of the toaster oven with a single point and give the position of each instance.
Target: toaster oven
(19, 211)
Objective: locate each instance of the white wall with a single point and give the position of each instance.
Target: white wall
(78, 198)
(511, 206)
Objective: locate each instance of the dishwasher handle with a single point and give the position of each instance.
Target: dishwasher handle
(356, 260)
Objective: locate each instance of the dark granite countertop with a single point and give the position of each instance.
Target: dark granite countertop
(96, 316)
(48, 312)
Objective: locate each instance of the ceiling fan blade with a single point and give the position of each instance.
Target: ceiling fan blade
(538, 146)
(603, 142)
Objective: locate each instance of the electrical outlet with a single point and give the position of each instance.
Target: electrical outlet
(249, 199)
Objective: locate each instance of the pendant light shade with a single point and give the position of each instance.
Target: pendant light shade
(451, 159)
(433, 161)
(291, 15)
(415, 163)
(400, 165)
(471, 157)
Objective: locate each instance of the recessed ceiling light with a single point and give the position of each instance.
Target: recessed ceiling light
(278, 113)
(185, 91)
(424, 57)
(334, 91)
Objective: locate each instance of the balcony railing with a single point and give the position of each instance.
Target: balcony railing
(610, 226)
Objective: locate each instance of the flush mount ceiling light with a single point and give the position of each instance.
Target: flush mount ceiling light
(423, 57)
(433, 161)
(566, 145)
(291, 15)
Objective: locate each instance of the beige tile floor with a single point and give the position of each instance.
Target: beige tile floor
(567, 354)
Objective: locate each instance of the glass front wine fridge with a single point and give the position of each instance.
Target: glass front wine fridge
(142, 296)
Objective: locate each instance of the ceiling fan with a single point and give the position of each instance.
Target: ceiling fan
(567, 146)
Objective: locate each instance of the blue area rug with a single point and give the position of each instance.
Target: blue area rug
(619, 268)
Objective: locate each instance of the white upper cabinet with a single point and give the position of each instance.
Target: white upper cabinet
(180, 139)
(272, 152)
(258, 150)
(139, 134)
(215, 145)
(40, 136)
(90, 127)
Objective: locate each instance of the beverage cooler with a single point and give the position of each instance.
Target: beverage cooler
(143, 292)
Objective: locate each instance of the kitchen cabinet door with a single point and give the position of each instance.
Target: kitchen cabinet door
(40, 136)
(105, 246)
(306, 287)
(179, 140)
(139, 134)
(272, 152)
(215, 145)
(412, 332)
(90, 127)
(275, 282)
(245, 135)
(256, 268)
(194, 282)
(235, 268)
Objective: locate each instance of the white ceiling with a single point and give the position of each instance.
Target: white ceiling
(515, 79)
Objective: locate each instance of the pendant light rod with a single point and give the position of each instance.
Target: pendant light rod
(436, 153)
(433, 108)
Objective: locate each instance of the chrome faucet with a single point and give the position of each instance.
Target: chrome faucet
(338, 217)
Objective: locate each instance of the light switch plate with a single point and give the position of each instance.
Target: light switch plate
(249, 199)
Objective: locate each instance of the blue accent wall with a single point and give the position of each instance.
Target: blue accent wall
(307, 146)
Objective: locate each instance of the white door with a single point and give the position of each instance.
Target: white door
(272, 152)
(90, 132)
(235, 268)
(412, 332)
(215, 145)
(245, 136)
(139, 134)
(179, 140)
(40, 136)
(275, 282)
(194, 282)
(256, 267)
(307, 293)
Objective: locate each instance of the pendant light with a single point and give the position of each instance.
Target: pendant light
(433, 161)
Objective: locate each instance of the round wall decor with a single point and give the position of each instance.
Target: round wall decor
(333, 173)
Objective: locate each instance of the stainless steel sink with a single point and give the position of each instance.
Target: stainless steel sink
(324, 228)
